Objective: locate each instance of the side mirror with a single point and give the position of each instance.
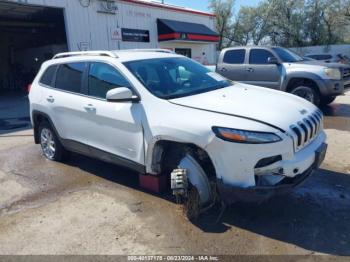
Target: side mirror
(121, 94)
(272, 60)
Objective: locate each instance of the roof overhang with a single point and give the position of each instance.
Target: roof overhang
(170, 30)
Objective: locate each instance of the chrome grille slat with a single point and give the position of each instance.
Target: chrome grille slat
(306, 130)
(314, 121)
(309, 129)
(311, 125)
(303, 133)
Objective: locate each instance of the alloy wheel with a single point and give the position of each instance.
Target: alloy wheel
(47, 142)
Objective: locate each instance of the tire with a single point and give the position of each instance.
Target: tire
(199, 194)
(308, 93)
(51, 147)
(191, 207)
(327, 100)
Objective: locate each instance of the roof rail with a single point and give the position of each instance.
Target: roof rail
(159, 50)
(81, 53)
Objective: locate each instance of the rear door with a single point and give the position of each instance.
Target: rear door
(63, 100)
(114, 129)
(232, 65)
(260, 72)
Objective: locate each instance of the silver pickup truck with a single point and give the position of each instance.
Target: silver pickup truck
(281, 69)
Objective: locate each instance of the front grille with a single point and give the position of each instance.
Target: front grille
(306, 129)
(346, 72)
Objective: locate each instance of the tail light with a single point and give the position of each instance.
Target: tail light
(29, 87)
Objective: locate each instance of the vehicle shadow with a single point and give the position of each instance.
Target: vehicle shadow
(337, 116)
(315, 216)
(114, 173)
(336, 110)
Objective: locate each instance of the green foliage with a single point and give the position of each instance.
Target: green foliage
(284, 22)
(224, 12)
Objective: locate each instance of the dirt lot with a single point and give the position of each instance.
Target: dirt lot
(85, 206)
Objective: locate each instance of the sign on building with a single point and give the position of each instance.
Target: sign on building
(116, 33)
(135, 35)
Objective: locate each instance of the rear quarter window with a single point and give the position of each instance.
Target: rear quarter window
(48, 75)
(234, 56)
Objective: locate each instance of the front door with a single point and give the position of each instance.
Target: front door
(113, 128)
(260, 72)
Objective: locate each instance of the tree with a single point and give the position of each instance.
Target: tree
(223, 9)
(335, 21)
(288, 23)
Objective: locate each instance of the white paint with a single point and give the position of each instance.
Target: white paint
(132, 130)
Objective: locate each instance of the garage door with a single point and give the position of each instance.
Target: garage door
(29, 36)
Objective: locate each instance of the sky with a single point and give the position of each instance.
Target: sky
(203, 4)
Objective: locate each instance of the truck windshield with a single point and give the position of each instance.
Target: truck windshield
(286, 55)
(175, 77)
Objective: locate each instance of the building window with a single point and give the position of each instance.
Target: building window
(184, 51)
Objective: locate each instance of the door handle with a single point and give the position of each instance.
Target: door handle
(90, 107)
(50, 99)
(250, 69)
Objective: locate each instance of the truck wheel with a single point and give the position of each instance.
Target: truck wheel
(50, 145)
(308, 93)
(327, 100)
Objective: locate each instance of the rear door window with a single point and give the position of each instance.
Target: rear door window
(102, 78)
(234, 56)
(47, 77)
(259, 56)
(69, 77)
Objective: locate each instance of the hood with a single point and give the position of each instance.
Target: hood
(318, 63)
(274, 108)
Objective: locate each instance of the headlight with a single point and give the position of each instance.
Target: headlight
(243, 136)
(333, 73)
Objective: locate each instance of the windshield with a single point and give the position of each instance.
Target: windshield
(286, 55)
(175, 77)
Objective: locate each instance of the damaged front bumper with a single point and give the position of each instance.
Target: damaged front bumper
(230, 194)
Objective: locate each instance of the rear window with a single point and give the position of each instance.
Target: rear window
(47, 77)
(234, 56)
(69, 77)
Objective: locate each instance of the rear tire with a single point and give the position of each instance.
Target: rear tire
(51, 147)
(327, 100)
(308, 93)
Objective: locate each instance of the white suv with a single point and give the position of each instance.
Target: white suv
(154, 112)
